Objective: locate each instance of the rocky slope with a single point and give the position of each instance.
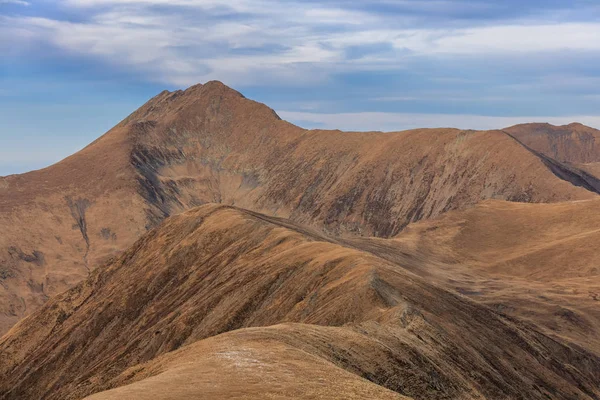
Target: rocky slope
(570, 151)
(148, 320)
(210, 144)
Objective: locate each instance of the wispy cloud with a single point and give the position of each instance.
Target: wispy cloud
(181, 42)
(17, 2)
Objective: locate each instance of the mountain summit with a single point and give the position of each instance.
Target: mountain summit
(209, 144)
(204, 240)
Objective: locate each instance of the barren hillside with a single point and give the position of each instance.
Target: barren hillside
(574, 143)
(210, 144)
(148, 318)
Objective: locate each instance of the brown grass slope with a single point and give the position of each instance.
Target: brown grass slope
(571, 151)
(217, 269)
(223, 147)
(210, 144)
(542, 242)
(537, 262)
(247, 364)
(574, 143)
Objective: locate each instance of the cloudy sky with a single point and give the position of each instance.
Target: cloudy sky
(71, 69)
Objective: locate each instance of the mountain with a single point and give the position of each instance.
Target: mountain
(574, 146)
(219, 289)
(574, 143)
(532, 241)
(209, 144)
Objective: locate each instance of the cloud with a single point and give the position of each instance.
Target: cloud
(174, 50)
(502, 39)
(515, 38)
(17, 2)
(368, 121)
(446, 97)
(181, 42)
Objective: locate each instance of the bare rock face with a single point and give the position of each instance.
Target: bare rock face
(219, 288)
(209, 144)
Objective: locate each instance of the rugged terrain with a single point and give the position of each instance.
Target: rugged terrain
(205, 248)
(231, 290)
(209, 144)
(536, 262)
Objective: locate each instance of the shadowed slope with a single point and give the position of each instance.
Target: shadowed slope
(216, 269)
(574, 143)
(561, 149)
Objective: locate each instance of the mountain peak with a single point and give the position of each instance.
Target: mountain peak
(549, 126)
(209, 144)
(166, 105)
(211, 88)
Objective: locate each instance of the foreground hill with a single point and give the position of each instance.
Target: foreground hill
(198, 295)
(248, 364)
(210, 144)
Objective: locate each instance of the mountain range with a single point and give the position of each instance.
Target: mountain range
(205, 248)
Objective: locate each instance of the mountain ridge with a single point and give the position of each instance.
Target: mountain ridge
(210, 144)
(204, 239)
(180, 284)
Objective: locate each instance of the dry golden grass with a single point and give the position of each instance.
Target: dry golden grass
(243, 365)
(217, 269)
(337, 264)
(210, 144)
(533, 261)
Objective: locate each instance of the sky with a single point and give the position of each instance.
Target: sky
(71, 69)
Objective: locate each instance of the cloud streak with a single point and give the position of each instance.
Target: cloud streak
(295, 42)
(16, 2)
